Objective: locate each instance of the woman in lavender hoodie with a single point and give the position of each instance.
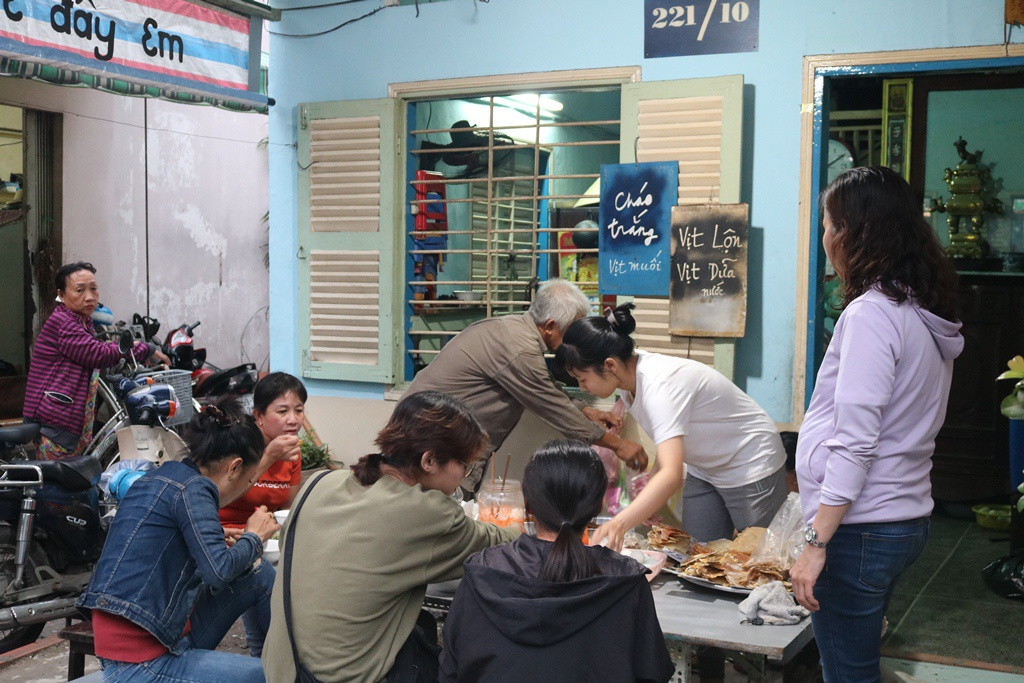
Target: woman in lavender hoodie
(864, 454)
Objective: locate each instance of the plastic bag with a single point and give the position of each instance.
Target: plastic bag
(136, 465)
(784, 540)
(607, 455)
(1005, 576)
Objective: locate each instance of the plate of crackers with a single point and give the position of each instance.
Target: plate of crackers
(725, 565)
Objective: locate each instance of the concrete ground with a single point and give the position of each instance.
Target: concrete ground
(50, 663)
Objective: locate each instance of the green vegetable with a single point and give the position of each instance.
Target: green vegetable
(313, 457)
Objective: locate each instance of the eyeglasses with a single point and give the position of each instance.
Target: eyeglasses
(469, 468)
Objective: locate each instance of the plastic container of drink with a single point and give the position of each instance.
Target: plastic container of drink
(501, 503)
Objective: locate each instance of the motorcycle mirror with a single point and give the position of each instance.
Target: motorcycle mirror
(125, 342)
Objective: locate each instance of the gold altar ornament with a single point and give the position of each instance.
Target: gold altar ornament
(971, 197)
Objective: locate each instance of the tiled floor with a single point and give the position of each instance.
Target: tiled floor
(943, 609)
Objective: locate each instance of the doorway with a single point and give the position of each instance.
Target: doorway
(30, 239)
(821, 74)
(13, 343)
(950, 93)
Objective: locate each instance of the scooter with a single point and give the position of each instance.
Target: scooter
(237, 381)
(180, 348)
(50, 536)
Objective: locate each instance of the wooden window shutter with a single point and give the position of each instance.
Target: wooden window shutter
(699, 123)
(349, 238)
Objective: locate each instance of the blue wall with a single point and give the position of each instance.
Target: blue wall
(462, 38)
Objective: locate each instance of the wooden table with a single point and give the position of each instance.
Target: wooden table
(693, 616)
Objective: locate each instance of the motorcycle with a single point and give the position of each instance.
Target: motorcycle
(237, 381)
(208, 381)
(50, 537)
(51, 531)
(180, 348)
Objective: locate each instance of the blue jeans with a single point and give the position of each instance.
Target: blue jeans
(211, 617)
(862, 564)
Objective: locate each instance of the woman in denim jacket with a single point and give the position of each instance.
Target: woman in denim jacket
(167, 588)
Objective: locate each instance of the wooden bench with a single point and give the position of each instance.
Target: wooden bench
(80, 643)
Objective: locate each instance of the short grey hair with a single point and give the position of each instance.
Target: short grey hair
(561, 301)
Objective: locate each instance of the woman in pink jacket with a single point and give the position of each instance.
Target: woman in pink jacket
(865, 447)
(62, 378)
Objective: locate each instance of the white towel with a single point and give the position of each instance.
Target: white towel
(772, 604)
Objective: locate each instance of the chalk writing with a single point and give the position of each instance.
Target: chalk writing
(635, 216)
(624, 200)
(709, 271)
(620, 267)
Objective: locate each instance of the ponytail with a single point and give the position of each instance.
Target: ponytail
(367, 469)
(564, 485)
(589, 342)
(223, 430)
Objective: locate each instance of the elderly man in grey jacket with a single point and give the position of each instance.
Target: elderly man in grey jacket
(496, 367)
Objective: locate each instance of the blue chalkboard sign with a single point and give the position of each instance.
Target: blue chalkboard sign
(634, 246)
(699, 27)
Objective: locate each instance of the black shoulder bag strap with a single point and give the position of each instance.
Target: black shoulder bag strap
(302, 674)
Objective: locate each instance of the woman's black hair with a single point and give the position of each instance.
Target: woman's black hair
(427, 421)
(65, 271)
(224, 430)
(564, 486)
(274, 386)
(883, 240)
(589, 342)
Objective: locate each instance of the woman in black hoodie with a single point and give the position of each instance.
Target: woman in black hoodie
(548, 607)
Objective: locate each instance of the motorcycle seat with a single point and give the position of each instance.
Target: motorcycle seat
(75, 474)
(18, 435)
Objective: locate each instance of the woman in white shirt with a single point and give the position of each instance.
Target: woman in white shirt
(735, 461)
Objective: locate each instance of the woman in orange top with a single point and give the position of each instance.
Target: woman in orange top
(279, 401)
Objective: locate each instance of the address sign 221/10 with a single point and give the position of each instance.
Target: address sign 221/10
(699, 27)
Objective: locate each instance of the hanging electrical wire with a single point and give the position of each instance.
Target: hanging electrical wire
(327, 4)
(330, 30)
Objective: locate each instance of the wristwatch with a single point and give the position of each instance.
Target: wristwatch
(811, 536)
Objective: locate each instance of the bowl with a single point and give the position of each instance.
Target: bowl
(652, 560)
(272, 551)
(994, 517)
(281, 516)
(466, 295)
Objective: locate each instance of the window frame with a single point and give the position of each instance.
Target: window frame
(396, 190)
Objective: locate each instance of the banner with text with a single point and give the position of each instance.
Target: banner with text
(709, 270)
(168, 43)
(636, 215)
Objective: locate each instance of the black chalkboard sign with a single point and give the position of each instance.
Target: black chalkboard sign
(708, 293)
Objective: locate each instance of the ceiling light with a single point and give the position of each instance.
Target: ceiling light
(531, 101)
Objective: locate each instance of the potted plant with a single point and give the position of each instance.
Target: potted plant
(314, 457)
(1013, 408)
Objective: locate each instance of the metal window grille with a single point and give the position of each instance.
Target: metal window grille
(485, 228)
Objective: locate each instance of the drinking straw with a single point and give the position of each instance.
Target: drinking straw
(504, 477)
